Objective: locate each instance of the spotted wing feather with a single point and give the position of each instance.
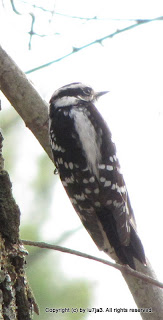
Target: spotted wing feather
(95, 187)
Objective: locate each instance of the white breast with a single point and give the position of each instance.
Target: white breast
(88, 138)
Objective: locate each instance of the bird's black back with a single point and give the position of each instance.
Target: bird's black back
(89, 170)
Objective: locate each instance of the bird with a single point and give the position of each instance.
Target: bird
(86, 160)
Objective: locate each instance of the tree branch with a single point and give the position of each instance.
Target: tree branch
(117, 266)
(25, 99)
(34, 112)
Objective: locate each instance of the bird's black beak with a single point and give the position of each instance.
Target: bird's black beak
(99, 94)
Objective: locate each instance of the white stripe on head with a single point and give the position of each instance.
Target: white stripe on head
(66, 101)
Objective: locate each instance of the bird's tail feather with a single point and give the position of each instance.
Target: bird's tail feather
(135, 249)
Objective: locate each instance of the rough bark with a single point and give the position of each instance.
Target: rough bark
(33, 111)
(16, 299)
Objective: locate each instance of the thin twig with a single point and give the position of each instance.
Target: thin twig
(33, 255)
(97, 41)
(31, 32)
(117, 266)
(14, 8)
(97, 18)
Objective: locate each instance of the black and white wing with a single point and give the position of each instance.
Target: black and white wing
(89, 170)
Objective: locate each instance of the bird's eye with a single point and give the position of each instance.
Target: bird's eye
(87, 90)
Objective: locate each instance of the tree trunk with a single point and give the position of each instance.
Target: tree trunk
(16, 299)
(33, 111)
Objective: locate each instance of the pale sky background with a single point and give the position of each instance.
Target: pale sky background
(130, 66)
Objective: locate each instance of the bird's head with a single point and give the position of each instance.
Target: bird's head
(73, 94)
